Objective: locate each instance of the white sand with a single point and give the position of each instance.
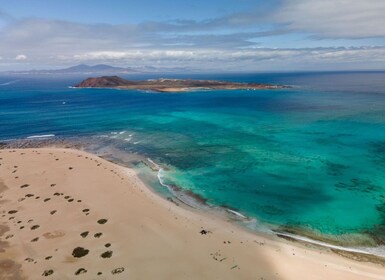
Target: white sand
(150, 237)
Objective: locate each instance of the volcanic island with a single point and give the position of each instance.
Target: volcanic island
(171, 85)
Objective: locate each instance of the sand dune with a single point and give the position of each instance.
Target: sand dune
(66, 214)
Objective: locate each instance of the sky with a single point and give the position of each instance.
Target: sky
(200, 35)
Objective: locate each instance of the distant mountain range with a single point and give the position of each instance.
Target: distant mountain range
(99, 69)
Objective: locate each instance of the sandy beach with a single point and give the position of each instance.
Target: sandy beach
(67, 214)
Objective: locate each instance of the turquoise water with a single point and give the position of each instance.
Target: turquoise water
(311, 157)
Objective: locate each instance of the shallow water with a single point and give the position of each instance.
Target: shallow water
(311, 157)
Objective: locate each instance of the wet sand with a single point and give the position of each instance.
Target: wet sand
(67, 214)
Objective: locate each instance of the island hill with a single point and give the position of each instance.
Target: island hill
(170, 85)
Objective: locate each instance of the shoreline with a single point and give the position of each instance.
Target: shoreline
(226, 250)
(193, 201)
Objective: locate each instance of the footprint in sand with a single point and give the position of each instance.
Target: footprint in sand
(35, 239)
(97, 235)
(117, 270)
(84, 234)
(53, 212)
(35, 227)
(54, 234)
(52, 185)
(47, 199)
(12, 212)
(48, 258)
(107, 245)
(80, 271)
(9, 236)
(24, 186)
(47, 272)
(106, 255)
(102, 221)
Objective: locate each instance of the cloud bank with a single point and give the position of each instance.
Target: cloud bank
(232, 42)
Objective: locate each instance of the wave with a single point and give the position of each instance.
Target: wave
(158, 168)
(376, 251)
(9, 83)
(236, 213)
(41, 136)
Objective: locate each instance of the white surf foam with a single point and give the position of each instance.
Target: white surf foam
(377, 251)
(9, 83)
(156, 166)
(236, 213)
(41, 136)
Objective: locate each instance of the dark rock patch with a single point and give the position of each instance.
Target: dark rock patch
(79, 252)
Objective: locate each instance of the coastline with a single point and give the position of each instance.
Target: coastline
(363, 246)
(144, 230)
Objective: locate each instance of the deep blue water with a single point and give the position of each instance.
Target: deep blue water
(310, 157)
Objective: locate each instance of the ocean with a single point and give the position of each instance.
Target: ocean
(307, 160)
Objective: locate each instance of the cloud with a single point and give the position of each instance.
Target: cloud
(244, 59)
(21, 57)
(229, 42)
(334, 18)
